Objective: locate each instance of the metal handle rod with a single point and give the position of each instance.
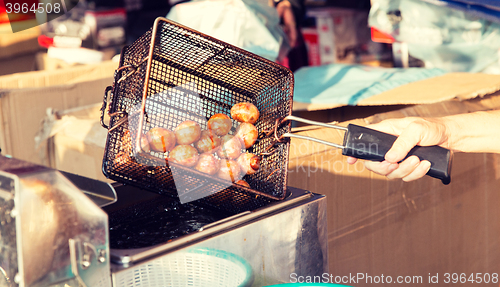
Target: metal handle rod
(104, 104)
(224, 220)
(294, 118)
(289, 135)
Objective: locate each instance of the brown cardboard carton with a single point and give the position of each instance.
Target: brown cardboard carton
(68, 75)
(422, 229)
(17, 50)
(20, 43)
(75, 141)
(44, 62)
(338, 30)
(17, 64)
(25, 98)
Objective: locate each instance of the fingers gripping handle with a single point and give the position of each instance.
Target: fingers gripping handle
(365, 143)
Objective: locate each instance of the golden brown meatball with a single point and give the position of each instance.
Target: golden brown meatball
(249, 163)
(161, 139)
(208, 142)
(248, 134)
(229, 170)
(185, 155)
(187, 132)
(230, 147)
(207, 163)
(245, 113)
(219, 124)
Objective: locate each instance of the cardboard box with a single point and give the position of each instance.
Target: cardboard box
(25, 98)
(17, 50)
(379, 227)
(69, 75)
(75, 141)
(338, 30)
(17, 64)
(20, 43)
(45, 62)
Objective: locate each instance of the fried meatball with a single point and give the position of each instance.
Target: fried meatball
(187, 132)
(245, 113)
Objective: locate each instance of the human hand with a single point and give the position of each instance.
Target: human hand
(285, 12)
(412, 131)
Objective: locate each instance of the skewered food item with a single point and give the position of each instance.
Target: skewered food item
(185, 155)
(187, 132)
(208, 142)
(247, 133)
(249, 163)
(219, 124)
(242, 182)
(207, 163)
(161, 139)
(230, 147)
(245, 113)
(229, 170)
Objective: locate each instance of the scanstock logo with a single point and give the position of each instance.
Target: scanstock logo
(39, 11)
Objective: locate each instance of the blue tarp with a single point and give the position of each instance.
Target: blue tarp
(348, 84)
(485, 9)
(486, 3)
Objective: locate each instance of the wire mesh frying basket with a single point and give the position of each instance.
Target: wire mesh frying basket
(209, 77)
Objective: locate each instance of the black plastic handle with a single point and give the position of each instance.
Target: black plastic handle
(364, 143)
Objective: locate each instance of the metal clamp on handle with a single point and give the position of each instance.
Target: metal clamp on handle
(290, 135)
(104, 104)
(103, 110)
(118, 72)
(133, 69)
(297, 119)
(279, 139)
(120, 121)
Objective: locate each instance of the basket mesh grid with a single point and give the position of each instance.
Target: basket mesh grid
(222, 75)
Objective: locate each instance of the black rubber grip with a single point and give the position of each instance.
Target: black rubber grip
(365, 143)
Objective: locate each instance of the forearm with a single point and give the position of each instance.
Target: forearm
(474, 132)
(298, 10)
